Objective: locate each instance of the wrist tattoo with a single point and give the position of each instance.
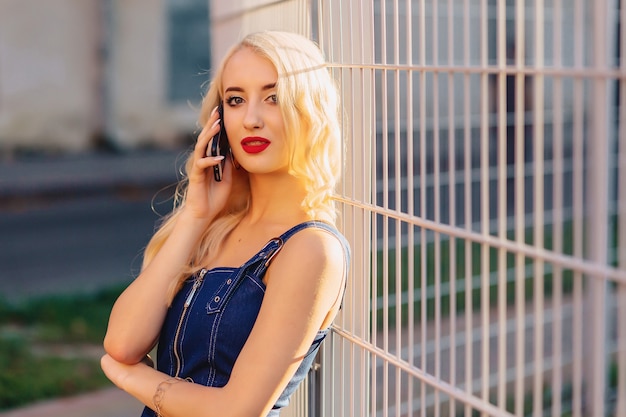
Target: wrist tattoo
(159, 394)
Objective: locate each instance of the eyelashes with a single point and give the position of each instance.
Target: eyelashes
(235, 100)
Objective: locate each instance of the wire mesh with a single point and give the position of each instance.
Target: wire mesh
(484, 198)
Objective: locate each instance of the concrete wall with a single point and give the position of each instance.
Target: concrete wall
(137, 111)
(75, 70)
(48, 73)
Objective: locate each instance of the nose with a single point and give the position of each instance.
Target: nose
(253, 118)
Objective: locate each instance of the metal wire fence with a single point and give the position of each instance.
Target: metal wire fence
(484, 197)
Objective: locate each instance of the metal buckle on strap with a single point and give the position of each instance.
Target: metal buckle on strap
(279, 243)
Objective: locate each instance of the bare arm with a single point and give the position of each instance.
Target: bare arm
(137, 315)
(304, 284)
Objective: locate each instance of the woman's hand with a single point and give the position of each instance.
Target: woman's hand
(205, 196)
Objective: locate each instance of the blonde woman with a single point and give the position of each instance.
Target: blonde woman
(243, 279)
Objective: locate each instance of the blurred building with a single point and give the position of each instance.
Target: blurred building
(78, 74)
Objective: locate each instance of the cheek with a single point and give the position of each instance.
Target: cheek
(279, 122)
(278, 127)
(228, 125)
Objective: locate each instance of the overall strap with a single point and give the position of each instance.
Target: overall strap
(275, 245)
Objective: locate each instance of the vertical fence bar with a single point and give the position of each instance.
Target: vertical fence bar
(329, 349)
(538, 210)
(423, 206)
(375, 316)
(502, 199)
(398, 206)
(578, 209)
(519, 210)
(452, 205)
(344, 54)
(437, 202)
(410, 151)
(620, 408)
(467, 129)
(597, 231)
(385, 198)
(557, 219)
(369, 192)
(344, 372)
(484, 201)
(358, 320)
(375, 238)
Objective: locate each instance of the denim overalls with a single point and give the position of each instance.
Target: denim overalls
(213, 314)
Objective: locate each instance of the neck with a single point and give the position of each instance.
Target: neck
(276, 199)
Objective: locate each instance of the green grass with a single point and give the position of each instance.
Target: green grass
(30, 368)
(26, 377)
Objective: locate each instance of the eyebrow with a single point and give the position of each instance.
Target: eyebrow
(241, 90)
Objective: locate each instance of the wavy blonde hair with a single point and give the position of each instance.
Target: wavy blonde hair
(309, 101)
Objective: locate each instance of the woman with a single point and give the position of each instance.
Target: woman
(242, 280)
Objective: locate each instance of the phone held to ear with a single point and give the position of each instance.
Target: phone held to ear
(220, 146)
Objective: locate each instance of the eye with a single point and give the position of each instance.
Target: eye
(273, 99)
(234, 100)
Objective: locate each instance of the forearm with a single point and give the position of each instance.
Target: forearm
(138, 313)
(172, 397)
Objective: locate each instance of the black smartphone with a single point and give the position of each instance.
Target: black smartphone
(220, 146)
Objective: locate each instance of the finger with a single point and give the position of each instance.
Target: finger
(208, 161)
(210, 123)
(203, 144)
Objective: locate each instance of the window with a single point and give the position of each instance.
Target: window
(189, 49)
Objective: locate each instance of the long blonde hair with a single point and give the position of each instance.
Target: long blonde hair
(309, 101)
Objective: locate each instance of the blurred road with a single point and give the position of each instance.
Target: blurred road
(74, 224)
(71, 246)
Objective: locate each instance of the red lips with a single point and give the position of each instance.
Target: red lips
(254, 144)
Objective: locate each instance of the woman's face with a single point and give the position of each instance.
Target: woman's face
(252, 116)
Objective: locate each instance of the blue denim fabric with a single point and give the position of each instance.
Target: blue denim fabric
(202, 340)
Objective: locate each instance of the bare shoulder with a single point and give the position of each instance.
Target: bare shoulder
(314, 252)
(319, 245)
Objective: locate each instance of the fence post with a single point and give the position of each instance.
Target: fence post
(600, 136)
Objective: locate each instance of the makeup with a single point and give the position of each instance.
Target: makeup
(254, 144)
